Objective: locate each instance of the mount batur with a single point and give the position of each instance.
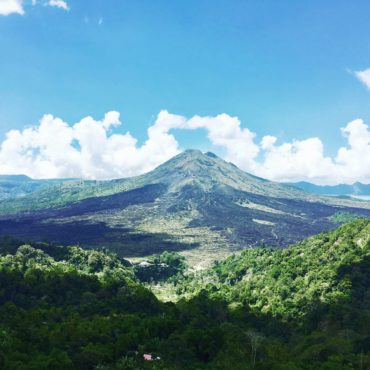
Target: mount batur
(195, 203)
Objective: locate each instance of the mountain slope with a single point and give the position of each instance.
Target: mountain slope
(290, 283)
(195, 202)
(320, 287)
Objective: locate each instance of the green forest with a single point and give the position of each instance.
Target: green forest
(303, 307)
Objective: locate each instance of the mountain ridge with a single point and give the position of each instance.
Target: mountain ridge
(189, 160)
(14, 186)
(355, 189)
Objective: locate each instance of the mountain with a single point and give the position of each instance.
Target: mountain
(195, 203)
(13, 186)
(356, 189)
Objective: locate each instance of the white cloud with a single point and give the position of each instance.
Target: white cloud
(92, 149)
(364, 77)
(59, 4)
(354, 161)
(8, 7)
(268, 141)
(86, 149)
(305, 159)
(297, 160)
(225, 131)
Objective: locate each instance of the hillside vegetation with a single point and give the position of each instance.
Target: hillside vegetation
(291, 282)
(306, 307)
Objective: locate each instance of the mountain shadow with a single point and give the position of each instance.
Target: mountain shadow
(124, 241)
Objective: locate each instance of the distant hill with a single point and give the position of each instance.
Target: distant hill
(13, 186)
(15, 178)
(196, 203)
(356, 189)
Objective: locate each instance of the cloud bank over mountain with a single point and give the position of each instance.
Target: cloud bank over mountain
(93, 149)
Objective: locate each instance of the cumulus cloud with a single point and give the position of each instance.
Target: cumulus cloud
(59, 4)
(305, 159)
(364, 77)
(354, 161)
(86, 149)
(93, 149)
(226, 132)
(8, 7)
(294, 161)
(268, 141)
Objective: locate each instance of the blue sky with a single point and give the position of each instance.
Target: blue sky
(284, 68)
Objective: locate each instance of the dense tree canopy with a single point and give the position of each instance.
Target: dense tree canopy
(305, 307)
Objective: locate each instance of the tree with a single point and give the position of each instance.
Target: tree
(255, 339)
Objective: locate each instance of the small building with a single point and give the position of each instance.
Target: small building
(148, 357)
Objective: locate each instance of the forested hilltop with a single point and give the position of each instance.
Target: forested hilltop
(305, 307)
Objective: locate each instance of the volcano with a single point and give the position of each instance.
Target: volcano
(195, 203)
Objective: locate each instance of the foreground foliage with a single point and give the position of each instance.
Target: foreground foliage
(305, 307)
